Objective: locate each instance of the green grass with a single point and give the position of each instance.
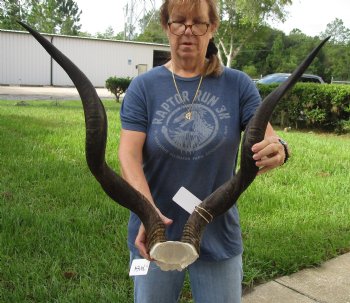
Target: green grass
(298, 215)
(63, 240)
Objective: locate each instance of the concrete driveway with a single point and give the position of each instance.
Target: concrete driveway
(46, 93)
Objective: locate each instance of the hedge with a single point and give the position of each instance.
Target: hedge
(315, 106)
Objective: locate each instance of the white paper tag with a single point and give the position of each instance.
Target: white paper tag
(186, 200)
(139, 267)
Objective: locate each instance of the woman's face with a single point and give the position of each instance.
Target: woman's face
(189, 46)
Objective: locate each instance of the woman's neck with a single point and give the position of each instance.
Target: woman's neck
(186, 69)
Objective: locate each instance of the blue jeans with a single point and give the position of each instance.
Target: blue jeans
(216, 281)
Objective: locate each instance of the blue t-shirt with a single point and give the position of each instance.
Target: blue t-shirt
(199, 154)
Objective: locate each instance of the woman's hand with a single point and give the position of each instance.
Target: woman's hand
(141, 238)
(269, 154)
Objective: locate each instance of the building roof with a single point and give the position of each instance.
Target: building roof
(89, 38)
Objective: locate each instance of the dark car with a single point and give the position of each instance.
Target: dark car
(281, 77)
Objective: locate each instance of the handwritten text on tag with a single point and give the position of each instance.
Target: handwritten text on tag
(139, 267)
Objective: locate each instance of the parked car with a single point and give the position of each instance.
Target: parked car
(281, 77)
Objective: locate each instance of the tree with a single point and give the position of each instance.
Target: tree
(337, 50)
(277, 55)
(70, 17)
(43, 16)
(338, 32)
(108, 34)
(152, 29)
(117, 86)
(338, 62)
(49, 16)
(86, 34)
(10, 12)
(55, 16)
(298, 45)
(256, 51)
(120, 36)
(241, 19)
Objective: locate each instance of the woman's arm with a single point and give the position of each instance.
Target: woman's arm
(130, 157)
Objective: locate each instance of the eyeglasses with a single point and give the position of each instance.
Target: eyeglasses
(197, 29)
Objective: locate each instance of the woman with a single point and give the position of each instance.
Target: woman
(181, 126)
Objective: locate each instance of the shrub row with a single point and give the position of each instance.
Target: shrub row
(307, 105)
(315, 106)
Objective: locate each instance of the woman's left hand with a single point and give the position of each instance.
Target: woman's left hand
(268, 154)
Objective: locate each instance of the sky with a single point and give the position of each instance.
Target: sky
(98, 15)
(310, 16)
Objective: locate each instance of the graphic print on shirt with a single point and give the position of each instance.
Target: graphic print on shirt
(195, 138)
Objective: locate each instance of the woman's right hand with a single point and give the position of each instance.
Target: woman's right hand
(141, 238)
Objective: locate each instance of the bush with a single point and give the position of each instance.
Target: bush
(308, 105)
(117, 86)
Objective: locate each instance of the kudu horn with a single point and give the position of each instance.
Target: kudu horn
(96, 136)
(226, 195)
(124, 194)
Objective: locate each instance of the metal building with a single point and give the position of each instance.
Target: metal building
(23, 61)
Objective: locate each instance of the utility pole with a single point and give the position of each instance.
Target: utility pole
(134, 12)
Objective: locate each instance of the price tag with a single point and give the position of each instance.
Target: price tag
(186, 200)
(139, 267)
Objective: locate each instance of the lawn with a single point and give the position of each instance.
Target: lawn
(63, 240)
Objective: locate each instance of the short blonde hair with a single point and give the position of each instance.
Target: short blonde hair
(214, 67)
